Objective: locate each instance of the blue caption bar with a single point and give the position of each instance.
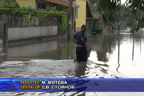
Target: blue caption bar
(72, 85)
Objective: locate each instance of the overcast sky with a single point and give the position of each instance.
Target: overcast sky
(123, 1)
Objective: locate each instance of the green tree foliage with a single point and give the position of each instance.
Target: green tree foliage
(136, 7)
(131, 11)
(8, 3)
(93, 1)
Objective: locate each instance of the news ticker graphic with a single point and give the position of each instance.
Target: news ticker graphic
(71, 84)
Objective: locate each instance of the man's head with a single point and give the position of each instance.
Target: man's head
(83, 28)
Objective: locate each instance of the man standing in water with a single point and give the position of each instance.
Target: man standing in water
(81, 48)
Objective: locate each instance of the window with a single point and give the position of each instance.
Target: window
(76, 12)
(41, 6)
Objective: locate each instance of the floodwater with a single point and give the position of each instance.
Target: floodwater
(109, 56)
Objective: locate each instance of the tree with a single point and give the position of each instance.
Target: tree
(132, 6)
(136, 6)
(8, 3)
(93, 1)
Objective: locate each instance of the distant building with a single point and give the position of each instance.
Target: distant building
(97, 22)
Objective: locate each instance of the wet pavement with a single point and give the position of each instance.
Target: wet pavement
(109, 56)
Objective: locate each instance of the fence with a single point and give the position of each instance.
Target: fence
(25, 27)
(1, 36)
(29, 21)
(2, 44)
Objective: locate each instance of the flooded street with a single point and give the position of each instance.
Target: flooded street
(109, 56)
(123, 55)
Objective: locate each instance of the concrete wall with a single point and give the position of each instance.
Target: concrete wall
(31, 32)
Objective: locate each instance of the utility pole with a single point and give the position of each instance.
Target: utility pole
(119, 17)
(118, 37)
(69, 20)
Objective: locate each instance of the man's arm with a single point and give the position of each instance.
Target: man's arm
(75, 41)
(74, 38)
(83, 39)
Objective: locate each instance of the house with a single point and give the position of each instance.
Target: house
(61, 5)
(81, 17)
(26, 3)
(27, 26)
(97, 22)
(81, 9)
(84, 13)
(88, 15)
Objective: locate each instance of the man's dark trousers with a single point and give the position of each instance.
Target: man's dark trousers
(81, 54)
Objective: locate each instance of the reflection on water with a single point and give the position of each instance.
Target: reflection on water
(80, 69)
(56, 49)
(122, 53)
